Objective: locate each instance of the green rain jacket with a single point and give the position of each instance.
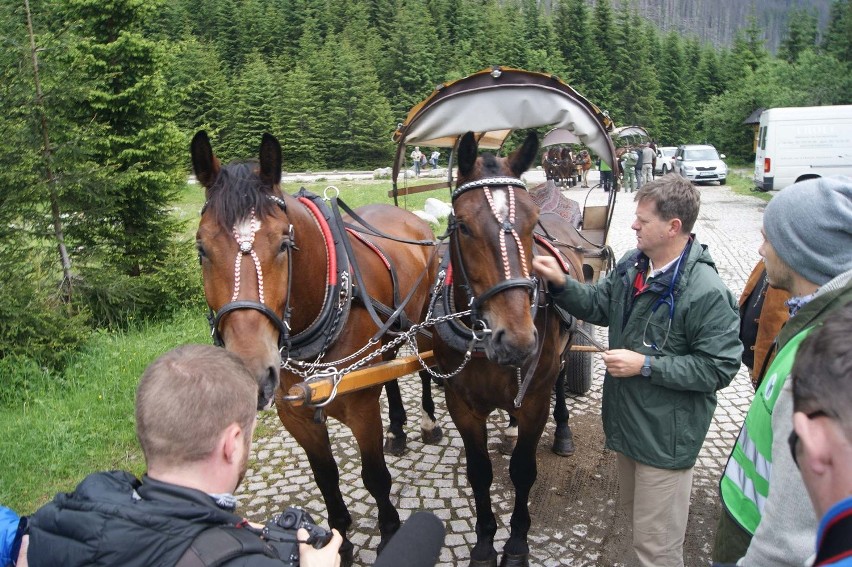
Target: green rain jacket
(662, 420)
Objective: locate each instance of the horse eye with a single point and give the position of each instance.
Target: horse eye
(200, 249)
(286, 244)
(464, 229)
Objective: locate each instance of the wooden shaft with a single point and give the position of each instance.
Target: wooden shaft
(585, 348)
(317, 391)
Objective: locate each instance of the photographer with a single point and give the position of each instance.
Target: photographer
(195, 416)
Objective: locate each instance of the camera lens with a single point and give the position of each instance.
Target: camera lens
(288, 520)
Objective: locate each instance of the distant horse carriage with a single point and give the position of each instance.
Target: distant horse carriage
(500, 343)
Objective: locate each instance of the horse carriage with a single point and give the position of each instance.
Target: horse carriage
(493, 103)
(311, 295)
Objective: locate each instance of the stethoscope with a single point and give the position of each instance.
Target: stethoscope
(667, 299)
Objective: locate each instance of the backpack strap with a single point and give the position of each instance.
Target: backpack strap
(218, 545)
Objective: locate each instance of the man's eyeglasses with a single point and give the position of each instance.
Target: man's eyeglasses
(793, 439)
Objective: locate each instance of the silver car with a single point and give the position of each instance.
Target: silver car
(700, 163)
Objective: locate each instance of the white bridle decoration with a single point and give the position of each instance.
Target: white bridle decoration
(245, 240)
(508, 225)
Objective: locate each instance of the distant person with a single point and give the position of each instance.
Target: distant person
(628, 169)
(606, 175)
(433, 159)
(416, 157)
(821, 441)
(763, 311)
(196, 411)
(766, 517)
(673, 344)
(638, 167)
(648, 157)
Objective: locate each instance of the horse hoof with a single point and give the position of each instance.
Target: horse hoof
(509, 560)
(563, 442)
(347, 554)
(432, 436)
(396, 446)
(508, 444)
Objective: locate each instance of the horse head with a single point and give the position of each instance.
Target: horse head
(244, 238)
(491, 247)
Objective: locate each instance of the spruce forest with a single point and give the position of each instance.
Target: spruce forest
(100, 98)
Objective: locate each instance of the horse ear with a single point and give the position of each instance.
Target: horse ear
(521, 159)
(204, 163)
(270, 159)
(467, 153)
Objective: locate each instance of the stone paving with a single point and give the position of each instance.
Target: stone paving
(433, 477)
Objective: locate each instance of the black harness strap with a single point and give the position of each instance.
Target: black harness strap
(218, 545)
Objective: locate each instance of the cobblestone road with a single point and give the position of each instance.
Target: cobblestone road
(572, 504)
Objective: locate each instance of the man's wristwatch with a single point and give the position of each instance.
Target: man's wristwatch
(646, 368)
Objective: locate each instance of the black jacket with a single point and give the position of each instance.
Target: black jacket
(114, 519)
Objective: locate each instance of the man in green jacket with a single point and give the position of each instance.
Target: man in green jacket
(673, 338)
(767, 518)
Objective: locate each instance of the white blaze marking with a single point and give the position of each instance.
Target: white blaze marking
(501, 203)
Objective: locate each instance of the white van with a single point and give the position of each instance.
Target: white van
(798, 143)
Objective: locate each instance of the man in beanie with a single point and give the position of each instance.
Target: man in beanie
(767, 518)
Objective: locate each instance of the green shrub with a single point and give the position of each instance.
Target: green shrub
(35, 324)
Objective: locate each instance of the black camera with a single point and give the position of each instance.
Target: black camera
(280, 533)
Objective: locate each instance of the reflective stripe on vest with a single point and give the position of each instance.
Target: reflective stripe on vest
(745, 484)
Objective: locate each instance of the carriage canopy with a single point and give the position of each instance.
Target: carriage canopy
(496, 101)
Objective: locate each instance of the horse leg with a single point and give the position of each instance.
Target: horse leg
(523, 471)
(367, 429)
(396, 441)
(313, 438)
(430, 432)
(510, 436)
(472, 429)
(563, 439)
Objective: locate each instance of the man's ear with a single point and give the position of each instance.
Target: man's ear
(675, 225)
(816, 442)
(231, 442)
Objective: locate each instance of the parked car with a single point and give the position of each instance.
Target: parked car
(700, 163)
(665, 156)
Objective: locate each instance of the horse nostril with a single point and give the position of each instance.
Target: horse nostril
(498, 336)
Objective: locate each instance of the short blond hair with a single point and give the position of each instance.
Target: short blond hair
(185, 400)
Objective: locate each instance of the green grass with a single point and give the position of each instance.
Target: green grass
(740, 182)
(85, 421)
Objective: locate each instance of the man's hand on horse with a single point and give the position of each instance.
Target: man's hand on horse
(548, 268)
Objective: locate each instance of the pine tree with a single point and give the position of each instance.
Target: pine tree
(837, 40)
(127, 222)
(677, 97)
(256, 103)
(579, 53)
(801, 34)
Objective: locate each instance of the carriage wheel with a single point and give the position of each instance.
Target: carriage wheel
(578, 366)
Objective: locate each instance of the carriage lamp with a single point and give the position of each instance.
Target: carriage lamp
(496, 72)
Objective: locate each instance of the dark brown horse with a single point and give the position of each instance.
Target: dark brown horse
(567, 169)
(583, 163)
(519, 335)
(550, 161)
(284, 286)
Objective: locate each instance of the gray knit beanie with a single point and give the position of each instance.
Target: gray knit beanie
(809, 224)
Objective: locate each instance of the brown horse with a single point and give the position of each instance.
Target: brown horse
(550, 161)
(511, 325)
(567, 169)
(583, 162)
(281, 279)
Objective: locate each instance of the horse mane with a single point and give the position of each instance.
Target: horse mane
(239, 189)
(490, 167)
